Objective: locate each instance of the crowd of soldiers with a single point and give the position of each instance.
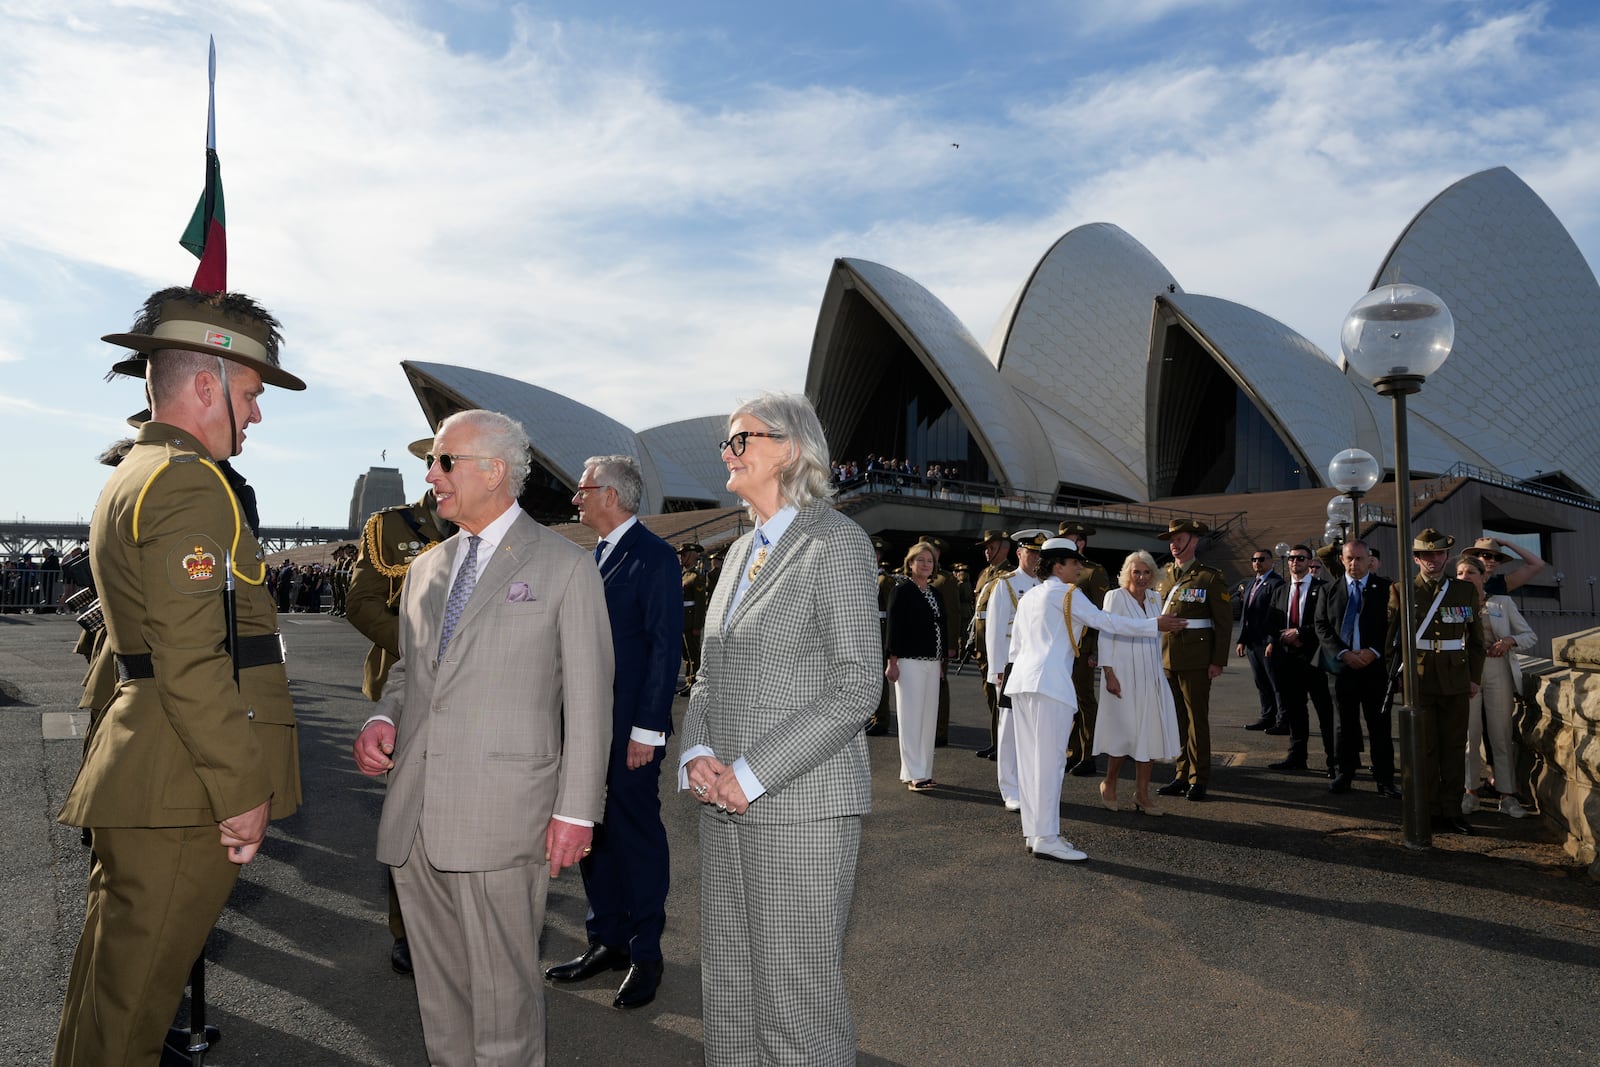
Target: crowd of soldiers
(301, 587)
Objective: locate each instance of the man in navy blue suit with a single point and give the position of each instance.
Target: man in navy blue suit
(626, 876)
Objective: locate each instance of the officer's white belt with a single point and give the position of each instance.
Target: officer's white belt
(1454, 644)
(1199, 624)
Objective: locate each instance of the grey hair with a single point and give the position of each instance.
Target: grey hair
(806, 477)
(1140, 556)
(622, 474)
(500, 437)
(171, 369)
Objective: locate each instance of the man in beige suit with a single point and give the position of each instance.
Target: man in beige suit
(495, 725)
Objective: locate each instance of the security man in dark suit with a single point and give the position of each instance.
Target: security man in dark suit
(878, 725)
(1353, 627)
(1095, 583)
(695, 599)
(997, 555)
(197, 749)
(1255, 633)
(1195, 656)
(1450, 655)
(391, 540)
(1294, 654)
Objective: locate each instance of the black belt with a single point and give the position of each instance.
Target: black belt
(257, 651)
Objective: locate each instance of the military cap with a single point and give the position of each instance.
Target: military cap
(1059, 548)
(879, 543)
(938, 543)
(958, 566)
(1488, 548)
(1076, 529)
(229, 325)
(1431, 540)
(420, 448)
(718, 552)
(995, 535)
(1031, 538)
(1188, 526)
(138, 418)
(690, 546)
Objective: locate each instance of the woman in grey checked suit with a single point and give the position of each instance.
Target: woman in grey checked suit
(773, 747)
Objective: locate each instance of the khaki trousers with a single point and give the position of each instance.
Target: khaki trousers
(1191, 695)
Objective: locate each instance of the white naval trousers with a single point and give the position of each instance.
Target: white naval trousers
(916, 701)
(1042, 726)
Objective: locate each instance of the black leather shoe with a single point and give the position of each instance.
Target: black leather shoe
(1196, 792)
(1173, 788)
(639, 987)
(1389, 789)
(1086, 769)
(1071, 764)
(1460, 824)
(1290, 764)
(985, 753)
(1340, 784)
(1259, 724)
(876, 730)
(400, 956)
(596, 958)
(1276, 731)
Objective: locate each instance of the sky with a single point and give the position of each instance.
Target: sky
(638, 204)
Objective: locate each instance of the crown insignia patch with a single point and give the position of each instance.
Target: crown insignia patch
(200, 564)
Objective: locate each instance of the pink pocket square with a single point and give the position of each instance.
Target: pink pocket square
(519, 592)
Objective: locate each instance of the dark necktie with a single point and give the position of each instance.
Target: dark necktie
(1294, 608)
(460, 593)
(1352, 611)
(599, 550)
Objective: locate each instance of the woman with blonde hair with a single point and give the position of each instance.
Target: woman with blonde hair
(1137, 718)
(914, 640)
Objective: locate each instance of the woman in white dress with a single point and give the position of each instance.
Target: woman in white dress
(1505, 633)
(1137, 718)
(1045, 638)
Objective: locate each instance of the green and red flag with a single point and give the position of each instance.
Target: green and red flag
(206, 235)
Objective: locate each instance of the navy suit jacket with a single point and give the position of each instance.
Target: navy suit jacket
(1254, 626)
(644, 597)
(1374, 617)
(1306, 624)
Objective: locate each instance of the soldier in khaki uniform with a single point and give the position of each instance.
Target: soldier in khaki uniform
(196, 750)
(695, 598)
(944, 584)
(966, 602)
(392, 539)
(1450, 655)
(1194, 657)
(1095, 583)
(997, 554)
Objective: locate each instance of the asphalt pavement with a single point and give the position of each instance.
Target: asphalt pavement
(1274, 923)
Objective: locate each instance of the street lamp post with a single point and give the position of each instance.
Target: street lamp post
(1341, 517)
(1282, 549)
(1354, 472)
(1591, 594)
(1395, 337)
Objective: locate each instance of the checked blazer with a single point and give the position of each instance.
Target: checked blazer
(791, 678)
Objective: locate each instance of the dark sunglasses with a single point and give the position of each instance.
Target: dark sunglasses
(1297, 559)
(736, 443)
(447, 460)
(1260, 559)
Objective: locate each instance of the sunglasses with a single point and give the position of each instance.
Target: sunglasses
(1260, 559)
(736, 443)
(447, 460)
(1298, 559)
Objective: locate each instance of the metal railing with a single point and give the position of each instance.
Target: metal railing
(30, 589)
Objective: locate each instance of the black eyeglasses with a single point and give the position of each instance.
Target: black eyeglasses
(1260, 559)
(736, 443)
(447, 460)
(1297, 559)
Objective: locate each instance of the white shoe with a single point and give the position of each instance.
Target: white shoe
(1053, 848)
(1512, 807)
(1469, 802)
(1013, 805)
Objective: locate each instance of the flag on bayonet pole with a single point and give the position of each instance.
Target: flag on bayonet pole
(206, 235)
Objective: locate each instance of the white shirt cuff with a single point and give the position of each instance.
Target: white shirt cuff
(683, 762)
(657, 738)
(574, 822)
(747, 779)
(376, 718)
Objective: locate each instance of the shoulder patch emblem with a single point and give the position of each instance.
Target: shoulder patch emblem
(195, 565)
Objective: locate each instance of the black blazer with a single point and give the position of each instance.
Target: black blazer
(1254, 626)
(915, 627)
(1374, 616)
(1278, 618)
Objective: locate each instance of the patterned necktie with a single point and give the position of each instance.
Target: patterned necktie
(599, 550)
(1294, 608)
(460, 593)
(1352, 611)
(761, 558)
